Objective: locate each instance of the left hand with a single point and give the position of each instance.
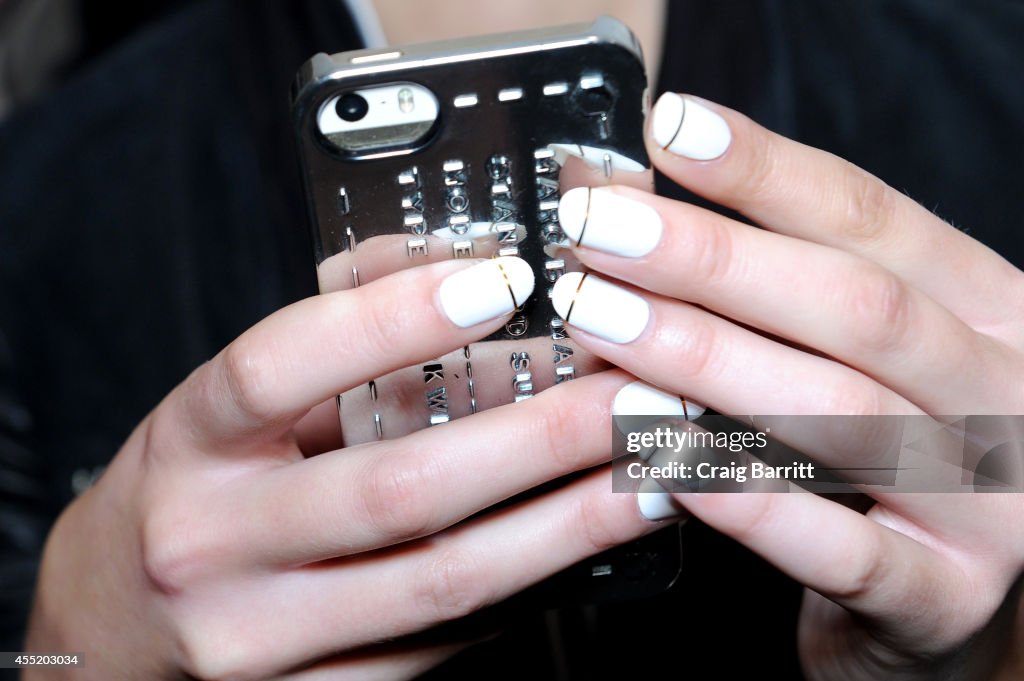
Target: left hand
(853, 299)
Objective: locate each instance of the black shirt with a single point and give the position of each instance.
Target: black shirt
(150, 211)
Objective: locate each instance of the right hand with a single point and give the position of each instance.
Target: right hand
(228, 539)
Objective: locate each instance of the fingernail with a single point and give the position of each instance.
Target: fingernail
(655, 503)
(486, 290)
(686, 127)
(642, 399)
(598, 307)
(596, 157)
(609, 222)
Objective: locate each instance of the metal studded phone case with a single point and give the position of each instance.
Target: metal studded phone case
(520, 119)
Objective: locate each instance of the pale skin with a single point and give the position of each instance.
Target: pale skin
(216, 508)
(864, 294)
(414, 22)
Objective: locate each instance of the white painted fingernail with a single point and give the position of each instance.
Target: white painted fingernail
(596, 157)
(609, 222)
(642, 399)
(686, 127)
(598, 307)
(655, 503)
(486, 290)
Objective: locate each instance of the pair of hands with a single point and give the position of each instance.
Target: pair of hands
(230, 538)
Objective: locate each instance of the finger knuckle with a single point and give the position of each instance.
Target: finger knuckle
(560, 428)
(210, 649)
(183, 417)
(398, 500)
(179, 548)
(168, 559)
(696, 348)
(710, 254)
(451, 585)
(759, 183)
(868, 205)
(249, 376)
(757, 522)
(161, 432)
(878, 310)
(852, 396)
(376, 330)
(862, 571)
(859, 439)
(588, 519)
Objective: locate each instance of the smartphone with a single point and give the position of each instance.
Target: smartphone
(461, 149)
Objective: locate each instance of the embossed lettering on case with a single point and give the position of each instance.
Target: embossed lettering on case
(521, 118)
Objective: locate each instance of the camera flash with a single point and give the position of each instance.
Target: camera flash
(405, 100)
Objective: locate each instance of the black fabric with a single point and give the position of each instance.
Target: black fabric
(150, 210)
(923, 93)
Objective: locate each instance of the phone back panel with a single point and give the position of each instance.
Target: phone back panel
(522, 118)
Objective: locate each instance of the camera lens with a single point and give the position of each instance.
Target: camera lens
(351, 107)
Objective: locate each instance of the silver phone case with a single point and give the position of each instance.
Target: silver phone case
(519, 114)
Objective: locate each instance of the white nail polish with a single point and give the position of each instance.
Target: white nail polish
(642, 399)
(655, 503)
(598, 307)
(686, 127)
(609, 222)
(595, 157)
(486, 290)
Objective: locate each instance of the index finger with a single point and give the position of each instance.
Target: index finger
(275, 372)
(800, 191)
